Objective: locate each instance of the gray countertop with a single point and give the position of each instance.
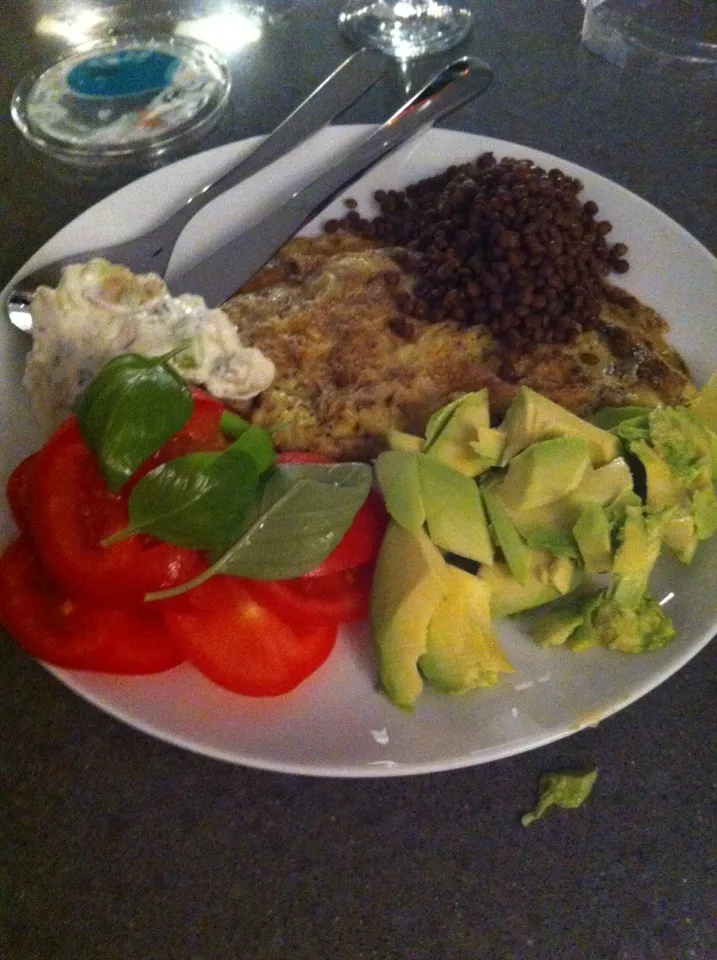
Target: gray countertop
(116, 846)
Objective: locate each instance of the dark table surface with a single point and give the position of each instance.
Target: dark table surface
(116, 846)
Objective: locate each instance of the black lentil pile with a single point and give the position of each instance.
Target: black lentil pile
(502, 243)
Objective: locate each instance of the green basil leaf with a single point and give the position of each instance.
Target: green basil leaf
(305, 511)
(128, 411)
(232, 425)
(198, 501)
(256, 443)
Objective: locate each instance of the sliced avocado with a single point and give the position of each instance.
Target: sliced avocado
(663, 487)
(635, 558)
(562, 574)
(556, 626)
(439, 420)
(603, 485)
(610, 417)
(454, 511)
(462, 652)
(704, 406)
(452, 431)
(704, 508)
(406, 442)
(397, 476)
(409, 584)
(558, 542)
(592, 535)
(490, 444)
(680, 535)
(517, 554)
(508, 596)
(544, 472)
(532, 417)
(685, 443)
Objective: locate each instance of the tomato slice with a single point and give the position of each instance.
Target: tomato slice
(241, 644)
(340, 597)
(70, 632)
(71, 512)
(17, 491)
(362, 540)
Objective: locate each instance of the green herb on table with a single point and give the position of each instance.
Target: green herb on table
(567, 789)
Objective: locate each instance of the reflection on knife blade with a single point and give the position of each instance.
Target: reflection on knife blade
(221, 274)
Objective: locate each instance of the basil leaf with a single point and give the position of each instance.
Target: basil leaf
(256, 443)
(232, 425)
(197, 501)
(305, 511)
(128, 411)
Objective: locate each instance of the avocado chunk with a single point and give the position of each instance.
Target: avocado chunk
(462, 652)
(532, 417)
(397, 476)
(610, 417)
(409, 584)
(406, 442)
(556, 626)
(517, 554)
(607, 624)
(704, 508)
(592, 535)
(544, 472)
(489, 445)
(508, 596)
(635, 557)
(680, 535)
(604, 485)
(663, 488)
(452, 432)
(454, 511)
(704, 406)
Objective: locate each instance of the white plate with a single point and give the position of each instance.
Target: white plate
(336, 724)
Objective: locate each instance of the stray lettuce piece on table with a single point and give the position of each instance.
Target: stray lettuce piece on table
(568, 789)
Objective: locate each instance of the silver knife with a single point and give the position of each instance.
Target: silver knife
(153, 250)
(221, 274)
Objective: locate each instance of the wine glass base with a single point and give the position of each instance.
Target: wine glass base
(405, 29)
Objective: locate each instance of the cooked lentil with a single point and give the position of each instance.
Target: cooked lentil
(504, 244)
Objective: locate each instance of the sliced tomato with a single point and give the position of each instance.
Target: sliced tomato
(340, 597)
(362, 540)
(17, 491)
(71, 512)
(71, 632)
(241, 644)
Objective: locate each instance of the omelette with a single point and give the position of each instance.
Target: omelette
(351, 364)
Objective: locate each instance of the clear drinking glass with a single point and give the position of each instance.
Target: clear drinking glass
(405, 28)
(668, 32)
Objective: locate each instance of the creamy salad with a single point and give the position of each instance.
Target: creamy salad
(100, 310)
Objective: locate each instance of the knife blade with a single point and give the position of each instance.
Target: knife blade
(220, 274)
(153, 250)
